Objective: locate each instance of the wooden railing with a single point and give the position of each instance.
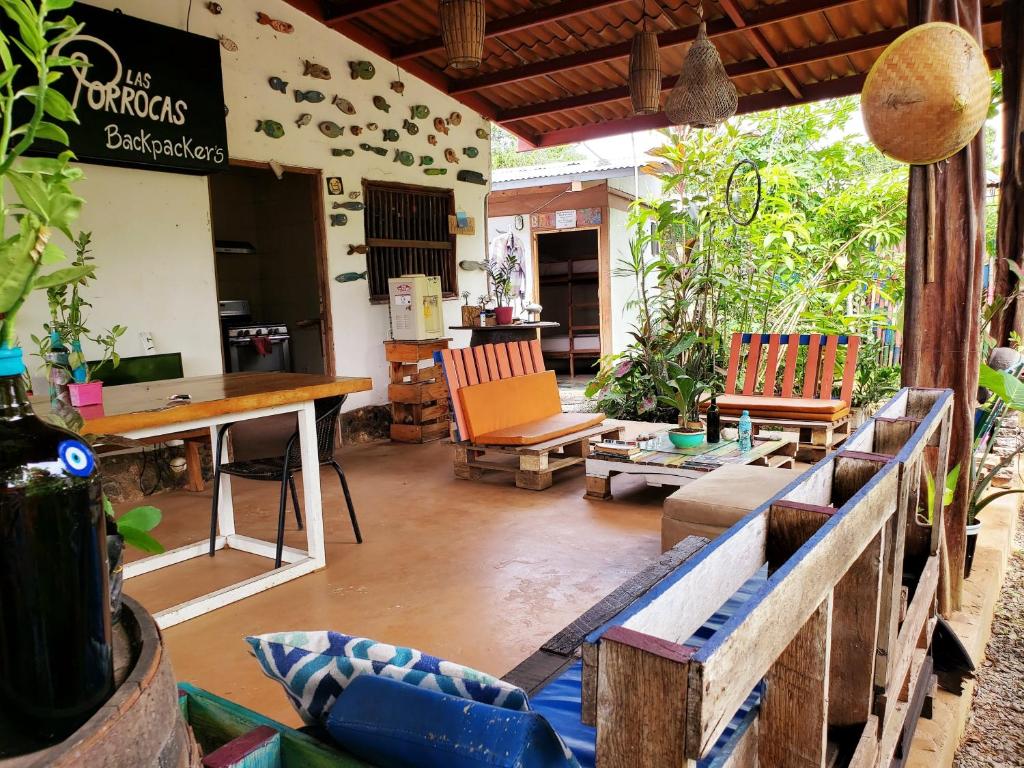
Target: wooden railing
(836, 644)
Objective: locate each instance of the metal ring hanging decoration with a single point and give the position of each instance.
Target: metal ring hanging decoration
(733, 214)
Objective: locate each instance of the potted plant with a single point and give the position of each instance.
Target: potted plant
(56, 647)
(682, 394)
(501, 273)
(61, 346)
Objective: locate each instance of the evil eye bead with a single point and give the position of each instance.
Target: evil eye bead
(76, 458)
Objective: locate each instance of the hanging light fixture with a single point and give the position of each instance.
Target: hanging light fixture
(645, 71)
(703, 96)
(462, 30)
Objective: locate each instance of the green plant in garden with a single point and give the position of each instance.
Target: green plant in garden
(68, 319)
(821, 256)
(873, 382)
(43, 199)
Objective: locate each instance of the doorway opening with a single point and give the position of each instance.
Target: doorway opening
(271, 269)
(568, 276)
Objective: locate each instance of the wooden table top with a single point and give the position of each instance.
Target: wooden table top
(705, 457)
(129, 407)
(509, 327)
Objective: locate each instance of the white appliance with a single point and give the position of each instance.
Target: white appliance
(415, 302)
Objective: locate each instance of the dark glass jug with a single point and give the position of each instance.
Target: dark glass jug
(56, 656)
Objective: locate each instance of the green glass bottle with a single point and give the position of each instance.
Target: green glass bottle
(56, 653)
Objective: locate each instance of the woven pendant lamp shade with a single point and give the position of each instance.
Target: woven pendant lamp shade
(703, 96)
(927, 95)
(645, 74)
(462, 29)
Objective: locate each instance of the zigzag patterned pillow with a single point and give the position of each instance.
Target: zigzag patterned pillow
(314, 668)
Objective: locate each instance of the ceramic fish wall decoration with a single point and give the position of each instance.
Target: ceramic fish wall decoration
(351, 277)
(228, 44)
(473, 177)
(390, 134)
(278, 84)
(313, 97)
(450, 156)
(432, 140)
(355, 130)
(312, 69)
(343, 104)
(411, 128)
(330, 129)
(339, 219)
(455, 118)
(482, 134)
(303, 120)
(372, 126)
(356, 249)
(398, 87)
(420, 111)
(426, 160)
(435, 171)
(440, 125)
(470, 151)
(214, 8)
(271, 128)
(361, 70)
(381, 103)
(275, 24)
(338, 152)
(350, 206)
(377, 150)
(353, 195)
(404, 157)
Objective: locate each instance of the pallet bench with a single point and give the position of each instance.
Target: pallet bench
(507, 416)
(753, 383)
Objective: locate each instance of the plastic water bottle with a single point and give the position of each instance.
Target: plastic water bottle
(744, 432)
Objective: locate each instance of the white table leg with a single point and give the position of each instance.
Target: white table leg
(225, 503)
(311, 484)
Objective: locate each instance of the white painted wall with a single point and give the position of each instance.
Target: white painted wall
(152, 230)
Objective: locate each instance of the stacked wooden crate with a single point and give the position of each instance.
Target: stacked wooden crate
(418, 394)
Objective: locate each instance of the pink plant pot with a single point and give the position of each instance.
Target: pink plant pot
(86, 394)
(504, 315)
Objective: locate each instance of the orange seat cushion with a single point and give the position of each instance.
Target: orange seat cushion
(541, 430)
(503, 403)
(797, 408)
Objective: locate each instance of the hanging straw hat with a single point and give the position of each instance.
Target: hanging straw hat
(927, 95)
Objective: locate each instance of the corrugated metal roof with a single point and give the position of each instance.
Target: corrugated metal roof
(555, 72)
(557, 173)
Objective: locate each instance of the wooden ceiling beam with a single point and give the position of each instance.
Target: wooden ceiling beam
(337, 11)
(771, 14)
(760, 44)
(534, 17)
(797, 57)
(757, 102)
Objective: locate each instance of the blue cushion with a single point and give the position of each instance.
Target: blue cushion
(315, 667)
(391, 724)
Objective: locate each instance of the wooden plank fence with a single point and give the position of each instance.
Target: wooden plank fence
(845, 672)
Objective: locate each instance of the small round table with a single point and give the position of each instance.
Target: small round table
(498, 334)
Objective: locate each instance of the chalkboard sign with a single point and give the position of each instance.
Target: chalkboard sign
(151, 97)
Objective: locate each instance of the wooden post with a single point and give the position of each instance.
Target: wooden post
(941, 317)
(641, 700)
(793, 727)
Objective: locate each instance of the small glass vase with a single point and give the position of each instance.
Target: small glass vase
(56, 651)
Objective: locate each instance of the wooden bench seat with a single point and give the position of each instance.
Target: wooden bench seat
(504, 402)
(798, 408)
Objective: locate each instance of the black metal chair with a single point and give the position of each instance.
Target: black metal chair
(283, 468)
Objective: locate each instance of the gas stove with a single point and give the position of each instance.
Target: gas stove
(243, 333)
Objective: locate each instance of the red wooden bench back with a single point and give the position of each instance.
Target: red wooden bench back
(818, 373)
(487, 362)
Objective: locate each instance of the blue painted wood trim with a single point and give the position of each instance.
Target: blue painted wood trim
(803, 339)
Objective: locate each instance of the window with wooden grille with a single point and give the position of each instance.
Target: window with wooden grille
(407, 233)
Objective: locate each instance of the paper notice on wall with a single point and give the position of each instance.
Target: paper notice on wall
(565, 219)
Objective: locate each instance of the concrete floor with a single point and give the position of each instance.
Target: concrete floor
(481, 573)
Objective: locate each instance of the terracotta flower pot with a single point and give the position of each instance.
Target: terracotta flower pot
(86, 394)
(504, 315)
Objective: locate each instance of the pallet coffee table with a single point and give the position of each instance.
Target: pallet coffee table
(661, 463)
